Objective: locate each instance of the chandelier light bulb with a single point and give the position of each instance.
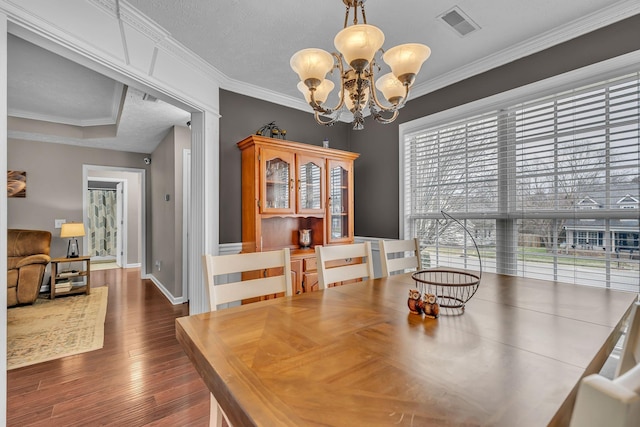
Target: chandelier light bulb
(358, 44)
(406, 60)
(392, 88)
(322, 91)
(312, 65)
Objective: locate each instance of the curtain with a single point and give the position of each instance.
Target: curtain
(102, 223)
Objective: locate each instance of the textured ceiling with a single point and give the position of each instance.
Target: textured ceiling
(53, 90)
(252, 41)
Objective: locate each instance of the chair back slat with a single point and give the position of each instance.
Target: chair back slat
(223, 293)
(236, 291)
(393, 256)
(238, 263)
(328, 274)
(347, 272)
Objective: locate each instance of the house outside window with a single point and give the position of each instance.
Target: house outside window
(548, 187)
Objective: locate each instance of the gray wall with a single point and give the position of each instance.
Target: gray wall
(376, 171)
(54, 184)
(243, 116)
(165, 216)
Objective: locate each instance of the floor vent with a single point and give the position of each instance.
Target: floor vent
(457, 20)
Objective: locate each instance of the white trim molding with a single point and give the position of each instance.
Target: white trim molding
(173, 300)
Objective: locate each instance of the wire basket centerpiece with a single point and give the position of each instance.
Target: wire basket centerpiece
(452, 287)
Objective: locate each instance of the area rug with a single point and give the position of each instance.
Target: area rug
(50, 329)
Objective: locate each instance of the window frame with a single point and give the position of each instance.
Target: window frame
(589, 75)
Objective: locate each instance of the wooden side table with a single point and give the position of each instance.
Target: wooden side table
(58, 277)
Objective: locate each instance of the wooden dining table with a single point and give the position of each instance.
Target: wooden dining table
(355, 356)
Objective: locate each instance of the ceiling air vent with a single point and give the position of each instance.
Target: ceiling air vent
(459, 21)
(149, 98)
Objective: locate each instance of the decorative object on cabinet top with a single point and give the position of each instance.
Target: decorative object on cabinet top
(296, 147)
(272, 131)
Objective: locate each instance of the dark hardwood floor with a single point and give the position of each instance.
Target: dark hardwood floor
(141, 377)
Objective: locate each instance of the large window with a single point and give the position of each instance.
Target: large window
(547, 187)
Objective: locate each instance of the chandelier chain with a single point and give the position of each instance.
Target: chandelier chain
(346, 16)
(364, 16)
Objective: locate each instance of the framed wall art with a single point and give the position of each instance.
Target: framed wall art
(16, 184)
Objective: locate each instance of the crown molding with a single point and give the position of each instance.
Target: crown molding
(614, 13)
(254, 91)
(131, 16)
(60, 119)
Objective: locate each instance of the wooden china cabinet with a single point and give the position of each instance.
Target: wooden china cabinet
(290, 186)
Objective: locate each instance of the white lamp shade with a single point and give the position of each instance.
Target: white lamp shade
(406, 58)
(311, 63)
(322, 91)
(392, 89)
(72, 229)
(349, 102)
(359, 42)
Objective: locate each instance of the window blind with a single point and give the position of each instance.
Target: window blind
(547, 188)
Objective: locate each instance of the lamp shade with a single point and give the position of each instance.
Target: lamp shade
(311, 64)
(359, 43)
(322, 91)
(72, 229)
(392, 88)
(405, 60)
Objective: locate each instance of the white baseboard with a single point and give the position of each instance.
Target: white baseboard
(173, 300)
(133, 265)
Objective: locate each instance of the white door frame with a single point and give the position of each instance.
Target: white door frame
(186, 213)
(121, 223)
(86, 169)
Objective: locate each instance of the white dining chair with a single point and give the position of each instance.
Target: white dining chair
(334, 263)
(394, 258)
(218, 268)
(604, 402)
(630, 355)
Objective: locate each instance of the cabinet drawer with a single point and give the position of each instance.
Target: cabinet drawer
(310, 282)
(310, 264)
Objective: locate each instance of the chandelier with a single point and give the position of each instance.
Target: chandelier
(357, 46)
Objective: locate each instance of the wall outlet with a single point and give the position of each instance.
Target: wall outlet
(58, 223)
(158, 265)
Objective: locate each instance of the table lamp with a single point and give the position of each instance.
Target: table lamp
(72, 230)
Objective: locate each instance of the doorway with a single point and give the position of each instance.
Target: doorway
(116, 232)
(106, 222)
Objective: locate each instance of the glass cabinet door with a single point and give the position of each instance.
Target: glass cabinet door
(277, 189)
(310, 184)
(340, 205)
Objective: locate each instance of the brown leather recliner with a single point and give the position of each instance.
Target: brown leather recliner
(28, 256)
